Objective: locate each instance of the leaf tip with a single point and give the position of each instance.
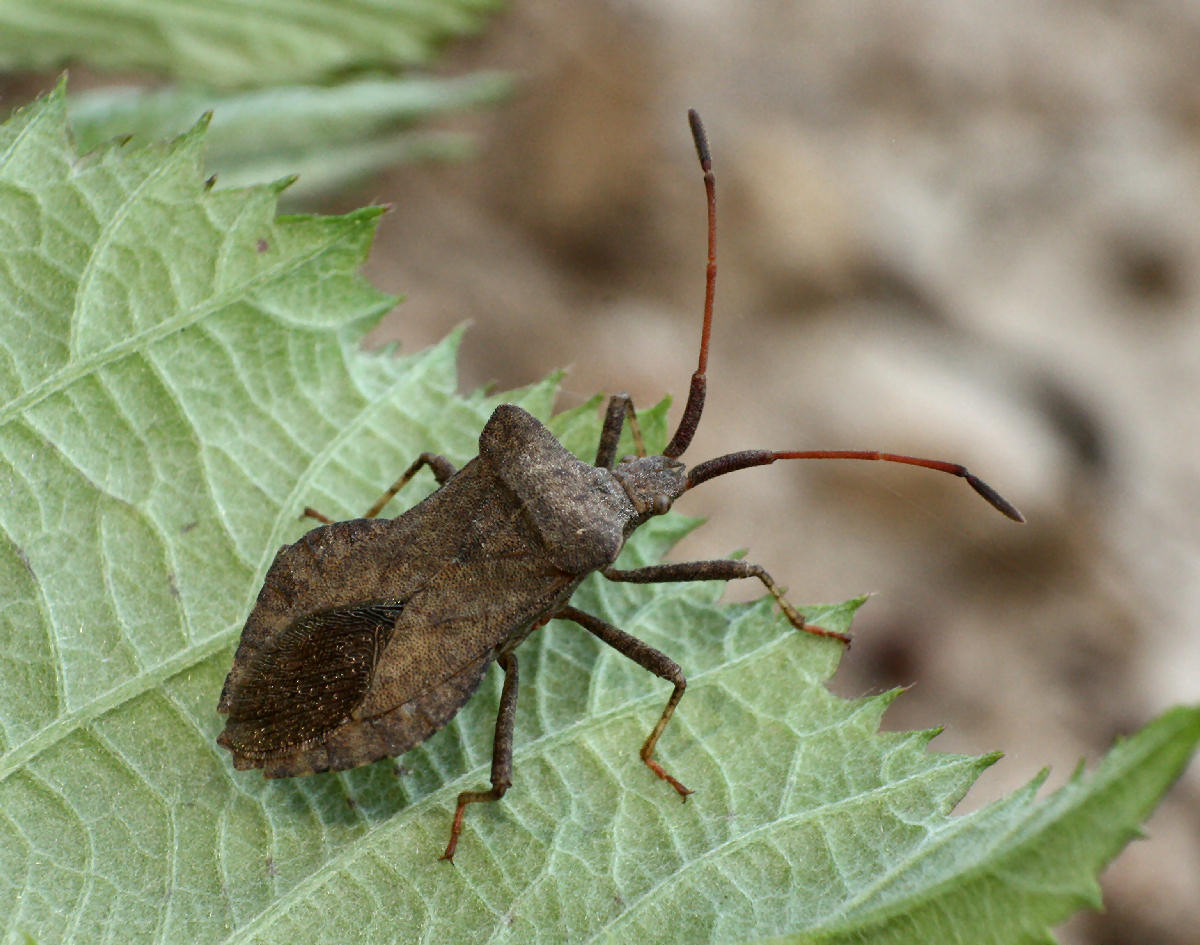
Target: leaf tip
(279, 186)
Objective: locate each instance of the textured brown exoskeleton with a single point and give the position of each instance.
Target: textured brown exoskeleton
(369, 635)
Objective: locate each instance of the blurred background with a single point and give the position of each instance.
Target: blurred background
(951, 228)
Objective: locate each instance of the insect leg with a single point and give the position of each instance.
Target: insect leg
(502, 747)
(722, 570)
(648, 658)
(442, 468)
(620, 407)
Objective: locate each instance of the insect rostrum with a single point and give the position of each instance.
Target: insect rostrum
(369, 635)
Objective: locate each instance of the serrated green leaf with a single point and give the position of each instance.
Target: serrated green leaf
(325, 136)
(231, 45)
(179, 377)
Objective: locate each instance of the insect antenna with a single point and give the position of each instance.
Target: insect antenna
(731, 462)
(695, 402)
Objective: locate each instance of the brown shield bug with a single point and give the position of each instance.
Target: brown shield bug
(369, 635)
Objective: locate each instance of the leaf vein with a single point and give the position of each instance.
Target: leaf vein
(112, 226)
(77, 369)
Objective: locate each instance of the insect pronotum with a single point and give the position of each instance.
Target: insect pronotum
(369, 635)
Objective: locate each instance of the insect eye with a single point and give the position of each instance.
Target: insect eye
(628, 458)
(662, 505)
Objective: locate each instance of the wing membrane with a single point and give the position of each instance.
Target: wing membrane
(309, 680)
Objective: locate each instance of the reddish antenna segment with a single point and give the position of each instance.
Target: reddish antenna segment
(731, 462)
(695, 402)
